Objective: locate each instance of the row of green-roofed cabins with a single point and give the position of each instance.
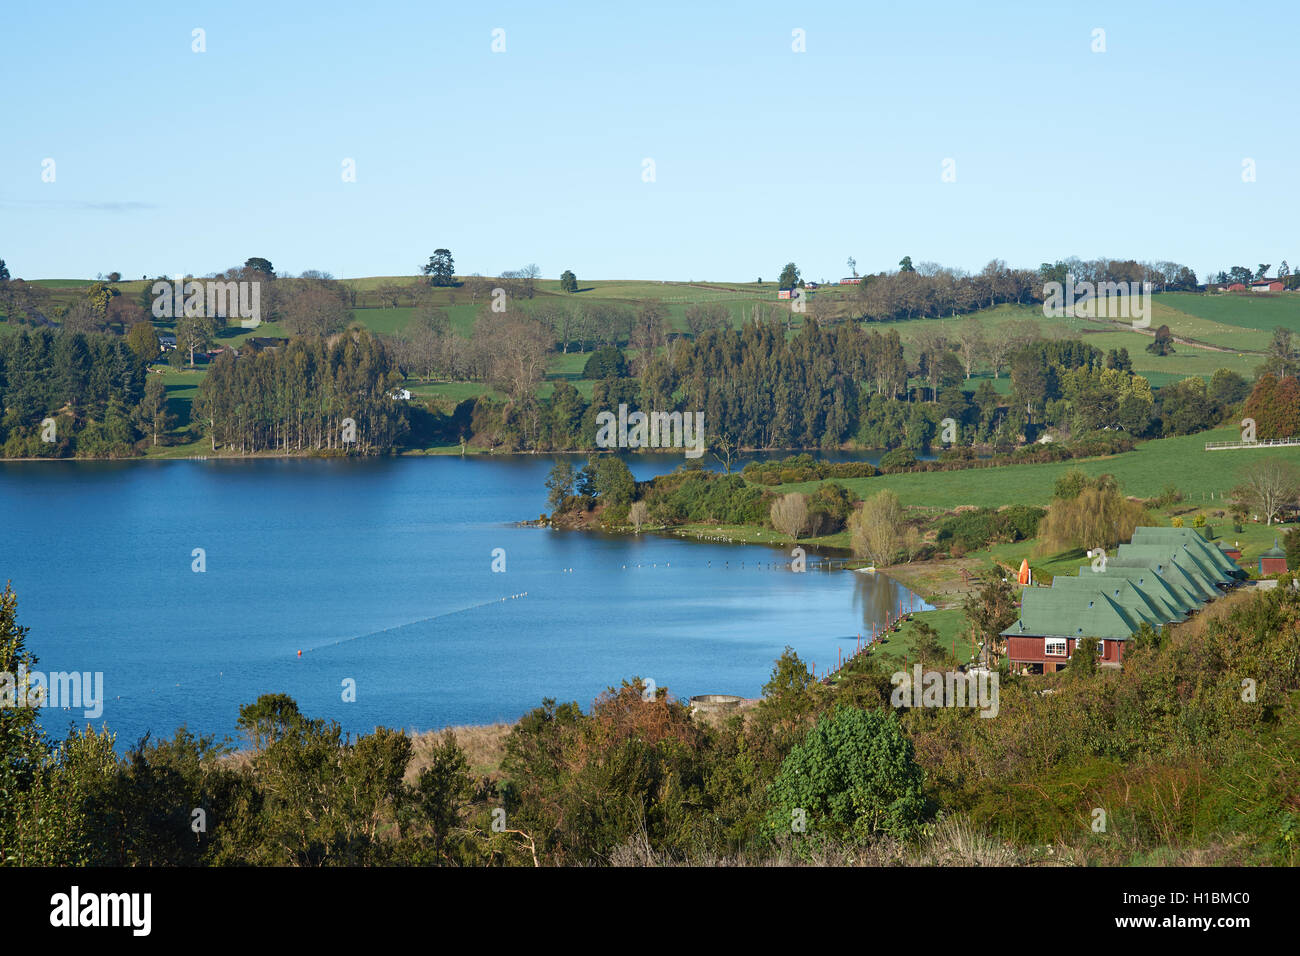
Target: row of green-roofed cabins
(1159, 578)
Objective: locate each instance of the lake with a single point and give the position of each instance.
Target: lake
(380, 572)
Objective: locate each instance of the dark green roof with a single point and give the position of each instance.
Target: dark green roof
(1174, 597)
(1135, 601)
(1048, 612)
(1274, 552)
(1159, 577)
(1177, 567)
(1194, 543)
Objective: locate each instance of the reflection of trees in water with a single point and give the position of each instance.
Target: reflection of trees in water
(878, 595)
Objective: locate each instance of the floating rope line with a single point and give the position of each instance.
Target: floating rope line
(423, 620)
(220, 675)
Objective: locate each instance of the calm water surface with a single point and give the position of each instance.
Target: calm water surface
(381, 572)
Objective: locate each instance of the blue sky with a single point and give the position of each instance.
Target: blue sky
(168, 160)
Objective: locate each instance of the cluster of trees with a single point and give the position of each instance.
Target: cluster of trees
(1274, 405)
(826, 772)
(312, 394)
(800, 468)
(1088, 513)
(931, 290)
(972, 530)
(93, 386)
(1243, 274)
(1071, 385)
(100, 307)
(823, 386)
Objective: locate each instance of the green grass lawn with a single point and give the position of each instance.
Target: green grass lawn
(1261, 311)
(1143, 472)
(954, 636)
(456, 392)
(1186, 361)
(182, 389)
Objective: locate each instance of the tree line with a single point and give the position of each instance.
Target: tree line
(312, 394)
(829, 385)
(69, 393)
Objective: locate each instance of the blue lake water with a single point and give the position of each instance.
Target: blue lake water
(380, 571)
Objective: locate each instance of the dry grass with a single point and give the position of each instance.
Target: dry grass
(952, 842)
(484, 747)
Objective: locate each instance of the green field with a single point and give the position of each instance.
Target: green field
(1144, 472)
(1260, 311)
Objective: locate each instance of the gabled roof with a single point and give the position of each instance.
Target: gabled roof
(1175, 566)
(1195, 543)
(1158, 578)
(1047, 612)
(1134, 601)
(1175, 598)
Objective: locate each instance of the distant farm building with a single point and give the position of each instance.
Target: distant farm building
(259, 343)
(401, 394)
(1267, 285)
(1273, 561)
(783, 293)
(1236, 287)
(1159, 578)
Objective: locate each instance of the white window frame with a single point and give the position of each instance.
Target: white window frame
(1050, 642)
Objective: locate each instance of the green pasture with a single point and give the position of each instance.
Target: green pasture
(1143, 472)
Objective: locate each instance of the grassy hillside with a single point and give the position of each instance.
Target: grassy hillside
(1218, 331)
(1144, 472)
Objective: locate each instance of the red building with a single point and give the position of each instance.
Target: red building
(1272, 561)
(1047, 655)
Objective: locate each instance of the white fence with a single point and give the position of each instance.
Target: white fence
(1268, 443)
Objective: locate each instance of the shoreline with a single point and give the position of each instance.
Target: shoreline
(450, 451)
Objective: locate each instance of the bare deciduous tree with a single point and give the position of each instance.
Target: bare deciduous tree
(876, 528)
(790, 515)
(1267, 486)
(970, 343)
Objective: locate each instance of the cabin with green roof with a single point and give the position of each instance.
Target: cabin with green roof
(1177, 600)
(1193, 542)
(1052, 621)
(1160, 577)
(1135, 602)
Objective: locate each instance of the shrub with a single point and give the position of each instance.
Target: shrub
(606, 362)
(900, 459)
(853, 776)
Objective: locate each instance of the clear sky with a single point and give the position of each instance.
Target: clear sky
(167, 160)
